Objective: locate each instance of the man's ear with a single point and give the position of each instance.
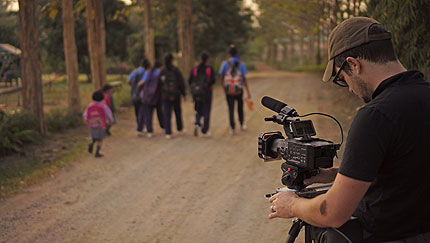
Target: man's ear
(355, 64)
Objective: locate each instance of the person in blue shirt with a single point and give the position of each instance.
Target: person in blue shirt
(151, 98)
(133, 80)
(233, 77)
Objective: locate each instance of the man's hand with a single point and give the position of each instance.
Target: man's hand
(325, 176)
(281, 205)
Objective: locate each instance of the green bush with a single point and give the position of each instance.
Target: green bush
(16, 129)
(61, 119)
(121, 97)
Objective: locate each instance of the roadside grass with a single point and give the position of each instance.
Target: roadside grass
(65, 143)
(55, 93)
(40, 161)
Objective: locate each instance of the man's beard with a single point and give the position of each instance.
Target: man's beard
(365, 91)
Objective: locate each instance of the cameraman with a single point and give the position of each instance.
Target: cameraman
(382, 180)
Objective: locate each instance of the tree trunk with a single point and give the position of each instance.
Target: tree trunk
(32, 88)
(96, 42)
(149, 32)
(285, 51)
(311, 50)
(302, 50)
(291, 51)
(270, 52)
(354, 11)
(70, 53)
(185, 34)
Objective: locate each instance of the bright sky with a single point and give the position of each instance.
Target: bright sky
(13, 6)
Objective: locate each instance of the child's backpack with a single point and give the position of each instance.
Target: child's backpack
(149, 94)
(96, 116)
(107, 100)
(200, 83)
(233, 80)
(170, 86)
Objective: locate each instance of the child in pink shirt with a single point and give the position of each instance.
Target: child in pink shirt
(98, 116)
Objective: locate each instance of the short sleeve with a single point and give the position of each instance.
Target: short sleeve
(368, 141)
(243, 69)
(145, 76)
(224, 68)
(131, 76)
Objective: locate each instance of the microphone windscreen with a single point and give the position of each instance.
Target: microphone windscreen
(272, 104)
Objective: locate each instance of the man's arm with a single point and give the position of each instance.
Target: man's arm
(331, 209)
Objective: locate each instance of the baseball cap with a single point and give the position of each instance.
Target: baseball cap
(350, 33)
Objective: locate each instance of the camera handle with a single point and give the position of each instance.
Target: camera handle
(309, 192)
(284, 120)
(295, 230)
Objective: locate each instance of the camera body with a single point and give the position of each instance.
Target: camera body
(302, 157)
(304, 154)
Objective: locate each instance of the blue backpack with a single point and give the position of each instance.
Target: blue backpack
(149, 94)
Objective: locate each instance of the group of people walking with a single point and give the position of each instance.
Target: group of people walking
(161, 88)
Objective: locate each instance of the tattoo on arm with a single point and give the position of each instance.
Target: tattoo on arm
(323, 208)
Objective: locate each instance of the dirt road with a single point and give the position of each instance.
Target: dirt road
(185, 189)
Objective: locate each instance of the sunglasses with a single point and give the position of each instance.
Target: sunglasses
(340, 81)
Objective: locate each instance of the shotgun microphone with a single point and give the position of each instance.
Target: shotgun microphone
(278, 106)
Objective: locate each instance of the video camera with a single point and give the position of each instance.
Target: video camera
(303, 153)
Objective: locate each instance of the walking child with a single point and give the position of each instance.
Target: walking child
(172, 88)
(133, 80)
(108, 100)
(150, 97)
(141, 113)
(202, 79)
(97, 115)
(233, 76)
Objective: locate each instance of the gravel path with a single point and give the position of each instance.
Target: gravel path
(186, 189)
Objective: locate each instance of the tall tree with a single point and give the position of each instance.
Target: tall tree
(96, 42)
(71, 55)
(51, 42)
(409, 22)
(185, 34)
(218, 24)
(149, 32)
(30, 61)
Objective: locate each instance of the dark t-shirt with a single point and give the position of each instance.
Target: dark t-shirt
(389, 145)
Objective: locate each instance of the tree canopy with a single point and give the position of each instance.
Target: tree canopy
(292, 32)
